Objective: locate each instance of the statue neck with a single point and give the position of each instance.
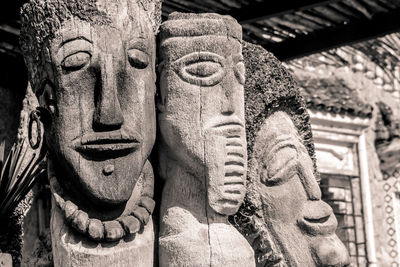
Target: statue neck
(188, 191)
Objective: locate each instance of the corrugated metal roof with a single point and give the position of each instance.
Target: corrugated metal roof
(287, 28)
(332, 95)
(295, 28)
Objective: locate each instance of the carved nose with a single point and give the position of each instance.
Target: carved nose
(229, 97)
(309, 182)
(108, 113)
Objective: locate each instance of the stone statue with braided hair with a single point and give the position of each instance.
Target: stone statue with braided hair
(91, 64)
(283, 216)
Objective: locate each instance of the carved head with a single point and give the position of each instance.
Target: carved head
(291, 197)
(202, 103)
(283, 217)
(91, 64)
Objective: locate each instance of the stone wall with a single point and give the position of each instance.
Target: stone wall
(368, 81)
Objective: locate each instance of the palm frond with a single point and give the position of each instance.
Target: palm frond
(2, 148)
(383, 52)
(18, 177)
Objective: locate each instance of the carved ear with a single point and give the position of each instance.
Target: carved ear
(161, 95)
(160, 104)
(47, 97)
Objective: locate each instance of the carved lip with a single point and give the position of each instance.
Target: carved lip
(225, 122)
(234, 181)
(115, 141)
(318, 219)
(237, 188)
(233, 171)
(235, 153)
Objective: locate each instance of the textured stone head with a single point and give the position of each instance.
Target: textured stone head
(91, 64)
(201, 103)
(304, 225)
(290, 225)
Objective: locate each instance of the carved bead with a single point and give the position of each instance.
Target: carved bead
(142, 214)
(70, 209)
(96, 229)
(80, 221)
(130, 224)
(113, 231)
(148, 204)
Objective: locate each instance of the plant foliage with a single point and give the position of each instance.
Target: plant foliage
(19, 171)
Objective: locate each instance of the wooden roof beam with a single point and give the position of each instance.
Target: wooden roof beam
(333, 37)
(266, 9)
(9, 38)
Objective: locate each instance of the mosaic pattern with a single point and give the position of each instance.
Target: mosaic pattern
(391, 186)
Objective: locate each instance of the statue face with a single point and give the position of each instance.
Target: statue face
(202, 114)
(297, 217)
(100, 87)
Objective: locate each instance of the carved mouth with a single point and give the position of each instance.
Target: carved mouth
(106, 142)
(317, 220)
(227, 123)
(234, 141)
(235, 164)
(229, 126)
(234, 174)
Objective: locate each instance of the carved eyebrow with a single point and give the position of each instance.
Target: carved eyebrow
(285, 168)
(282, 144)
(138, 43)
(74, 39)
(281, 141)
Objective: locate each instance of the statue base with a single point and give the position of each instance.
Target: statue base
(191, 243)
(71, 249)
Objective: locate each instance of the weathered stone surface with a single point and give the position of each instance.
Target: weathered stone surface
(387, 140)
(92, 66)
(302, 224)
(5, 260)
(283, 216)
(37, 249)
(203, 146)
(29, 104)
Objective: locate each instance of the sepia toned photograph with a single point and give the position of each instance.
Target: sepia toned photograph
(203, 133)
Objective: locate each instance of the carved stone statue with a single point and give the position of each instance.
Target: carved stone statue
(302, 223)
(283, 216)
(92, 65)
(203, 146)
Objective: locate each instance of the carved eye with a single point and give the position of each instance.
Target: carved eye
(240, 71)
(138, 59)
(278, 166)
(203, 68)
(76, 61)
